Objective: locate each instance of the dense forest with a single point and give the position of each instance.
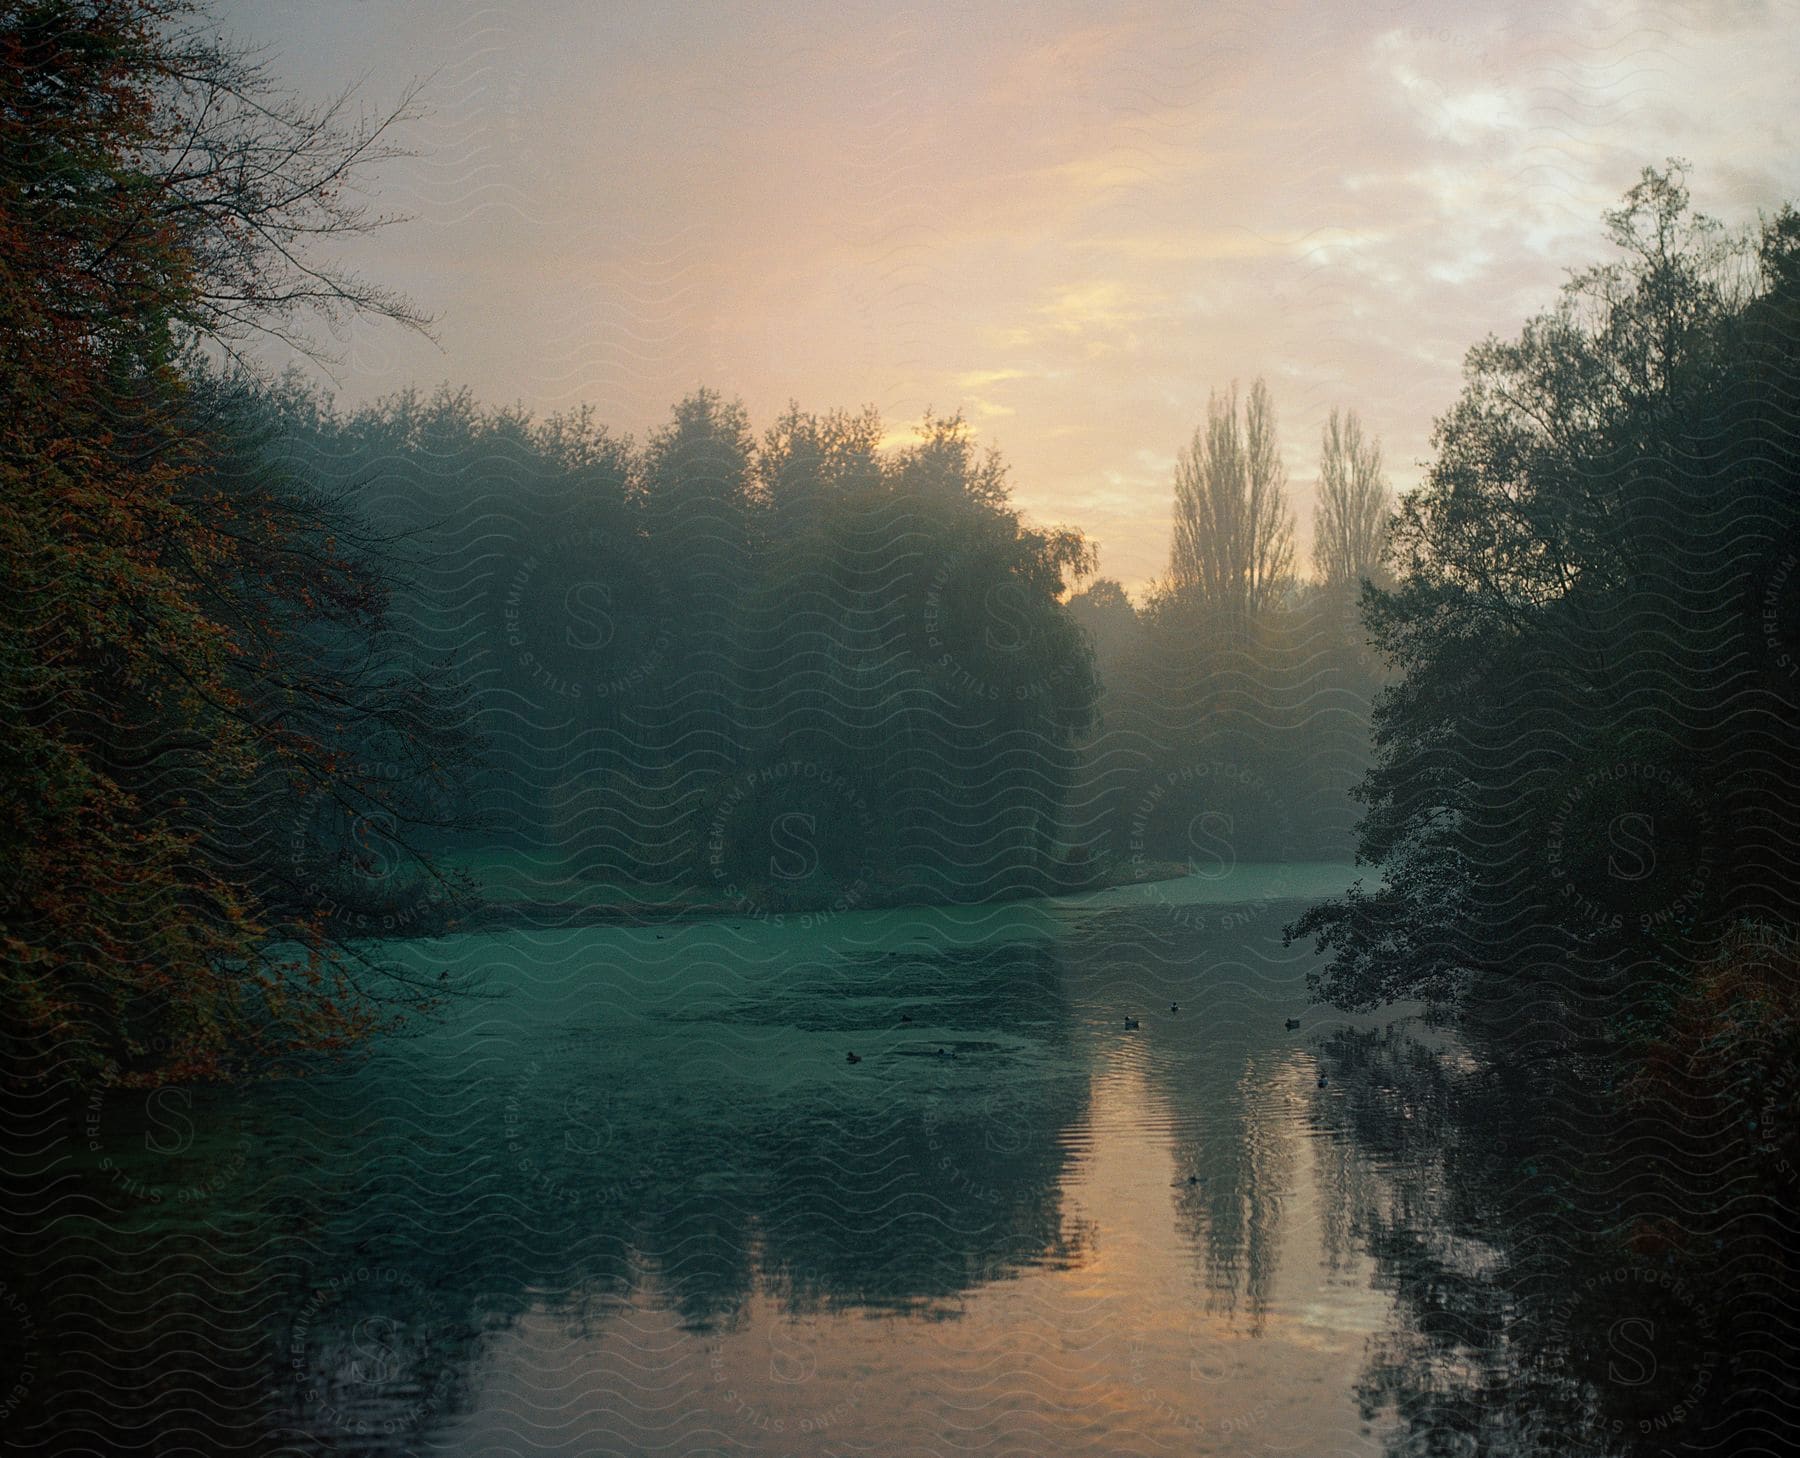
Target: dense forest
(672, 647)
(677, 650)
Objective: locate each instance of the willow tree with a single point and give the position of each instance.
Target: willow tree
(1232, 551)
(1350, 521)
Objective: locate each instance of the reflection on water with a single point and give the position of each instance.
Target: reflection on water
(639, 1200)
(1570, 1278)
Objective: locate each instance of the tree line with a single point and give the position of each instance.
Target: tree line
(762, 672)
(277, 674)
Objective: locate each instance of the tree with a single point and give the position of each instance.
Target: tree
(907, 632)
(157, 191)
(702, 503)
(1105, 612)
(528, 564)
(1229, 684)
(361, 734)
(1233, 542)
(1584, 770)
(1350, 521)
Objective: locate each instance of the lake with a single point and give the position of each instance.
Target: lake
(631, 1196)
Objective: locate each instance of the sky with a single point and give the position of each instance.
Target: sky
(1069, 221)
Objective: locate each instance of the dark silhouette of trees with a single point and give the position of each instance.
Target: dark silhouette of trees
(681, 633)
(365, 738)
(1584, 772)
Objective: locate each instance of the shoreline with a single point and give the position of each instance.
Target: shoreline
(692, 902)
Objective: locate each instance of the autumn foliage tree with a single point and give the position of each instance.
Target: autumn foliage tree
(159, 606)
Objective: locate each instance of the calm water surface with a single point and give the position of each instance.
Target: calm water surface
(633, 1198)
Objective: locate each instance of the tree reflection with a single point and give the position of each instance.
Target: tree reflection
(1558, 1261)
(1234, 1158)
(1233, 1216)
(378, 1228)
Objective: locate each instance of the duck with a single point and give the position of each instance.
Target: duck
(1292, 1024)
(1130, 1023)
(1324, 1082)
(1174, 1007)
(906, 1017)
(852, 1058)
